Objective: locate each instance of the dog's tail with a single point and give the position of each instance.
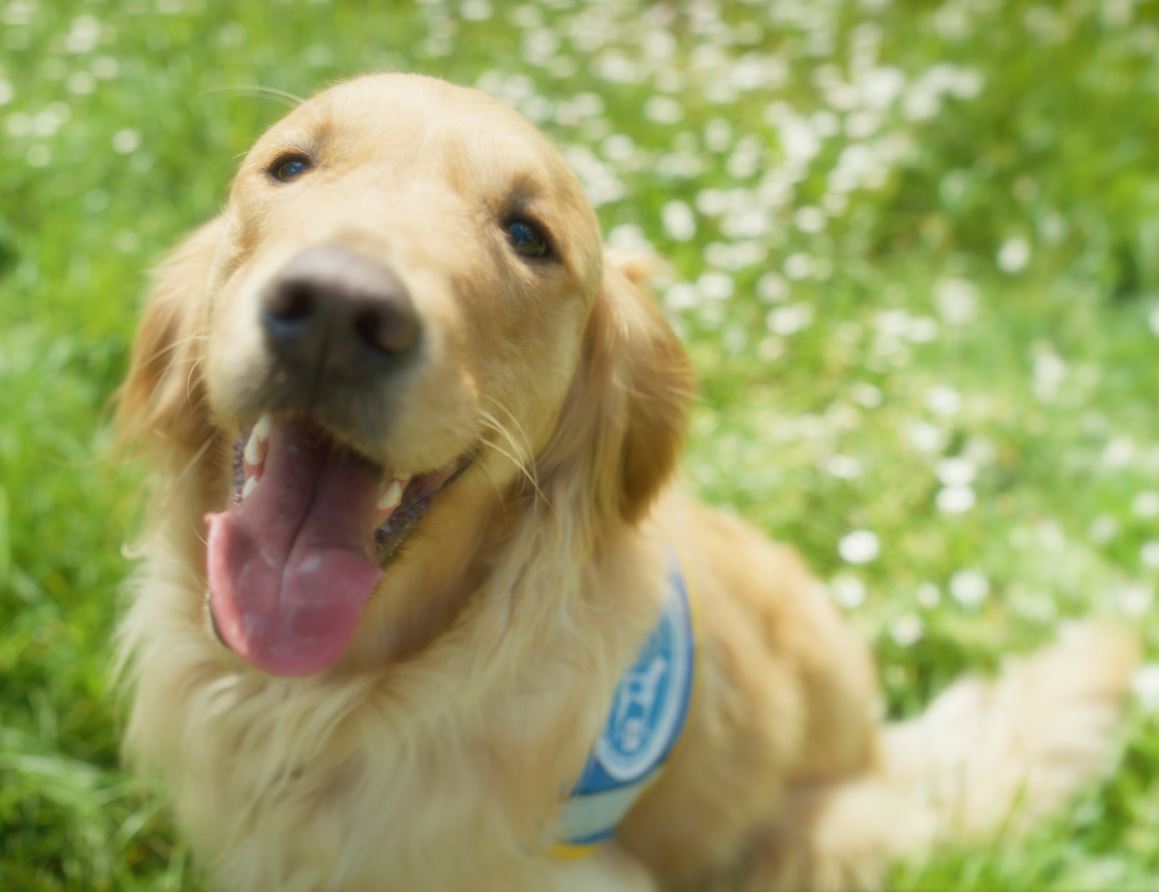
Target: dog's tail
(986, 758)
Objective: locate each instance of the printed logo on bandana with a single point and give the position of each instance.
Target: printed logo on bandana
(650, 699)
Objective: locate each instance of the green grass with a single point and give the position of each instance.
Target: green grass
(921, 232)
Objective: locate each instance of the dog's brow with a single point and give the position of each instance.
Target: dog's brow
(525, 190)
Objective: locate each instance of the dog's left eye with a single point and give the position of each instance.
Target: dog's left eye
(289, 167)
(527, 238)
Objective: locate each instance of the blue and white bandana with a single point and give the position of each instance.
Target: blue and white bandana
(645, 721)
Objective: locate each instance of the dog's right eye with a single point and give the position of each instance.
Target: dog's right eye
(289, 167)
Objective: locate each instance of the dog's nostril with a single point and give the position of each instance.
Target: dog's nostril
(291, 301)
(386, 327)
(338, 312)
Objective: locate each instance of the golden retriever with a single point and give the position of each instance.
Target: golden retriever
(413, 434)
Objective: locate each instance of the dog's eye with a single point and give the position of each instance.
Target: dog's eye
(527, 238)
(289, 167)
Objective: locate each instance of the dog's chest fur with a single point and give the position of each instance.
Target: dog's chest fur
(430, 778)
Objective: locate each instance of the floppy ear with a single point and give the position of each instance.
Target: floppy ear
(162, 399)
(626, 414)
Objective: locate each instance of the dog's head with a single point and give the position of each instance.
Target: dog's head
(403, 315)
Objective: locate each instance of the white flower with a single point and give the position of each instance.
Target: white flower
(49, 121)
(980, 450)
(922, 329)
(798, 139)
(1103, 529)
(921, 103)
(629, 237)
(1014, 255)
(1146, 687)
(716, 285)
(734, 255)
(681, 296)
(712, 202)
(659, 45)
(966, 84)
(943, 400)
(679, 220)
(862, 124)
(825, 123)
(810, 220)
(663, 110)
(1145, 505)
(881, 86)
(955, 499)
(798, 265)
(926, 437)
(475, 10)
(1135, 600)
(1049, 373)
(126, 141)
(1149, 554)
(771, 288)
(969, 588)
(83, 34)
(843, 467)
(18, 124)
(618, 147)
(957, 300)
(847, 591)
(80, 83)
(1118, 453)
(1116, 13)
(955, 471)
(859, 547)
(907, 630)
(718, 135)
(789, 319)
(866, 395)
(928, 595)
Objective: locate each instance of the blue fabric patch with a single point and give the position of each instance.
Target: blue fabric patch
(646, 718)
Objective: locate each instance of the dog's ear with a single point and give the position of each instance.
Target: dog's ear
(162, 399)
(652, 371)
(626, 415)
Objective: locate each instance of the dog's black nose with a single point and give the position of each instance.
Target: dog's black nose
(336, 312)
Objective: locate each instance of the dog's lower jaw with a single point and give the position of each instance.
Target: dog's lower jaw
(293, 562)
(435, 577)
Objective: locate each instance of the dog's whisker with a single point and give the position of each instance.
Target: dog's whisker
(523, 445)
(173, 346)
(196, 458)
(519, 453)
(259, 91)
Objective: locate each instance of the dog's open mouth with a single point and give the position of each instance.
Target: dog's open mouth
(294, 560)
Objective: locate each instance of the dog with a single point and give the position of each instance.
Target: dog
(422, 606)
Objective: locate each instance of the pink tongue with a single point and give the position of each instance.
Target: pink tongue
(290, 567)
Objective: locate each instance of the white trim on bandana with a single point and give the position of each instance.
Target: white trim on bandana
(645, 721)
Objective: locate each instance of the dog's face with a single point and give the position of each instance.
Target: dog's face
(380, 234)
(402, 294)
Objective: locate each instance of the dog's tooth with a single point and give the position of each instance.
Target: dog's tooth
(259, 441)
(253, 450)
(391, 496)
(250, 485)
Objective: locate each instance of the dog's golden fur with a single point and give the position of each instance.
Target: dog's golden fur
(435, 754)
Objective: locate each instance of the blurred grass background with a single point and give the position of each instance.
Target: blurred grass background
(916, 248)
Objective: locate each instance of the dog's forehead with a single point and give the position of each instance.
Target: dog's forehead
(411, 131)
(413, 123)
